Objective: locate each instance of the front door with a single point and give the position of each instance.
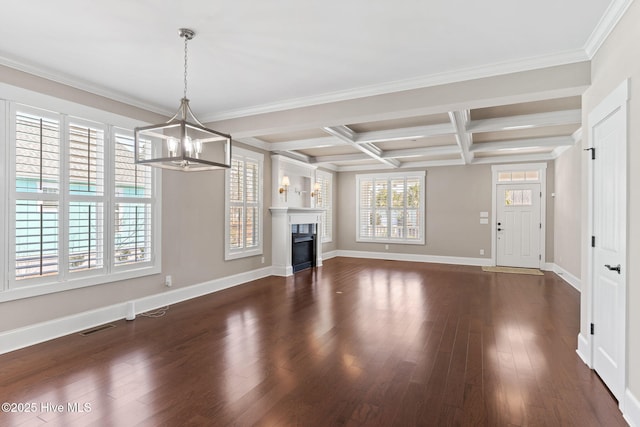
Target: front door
(518, 225)
(609, 138)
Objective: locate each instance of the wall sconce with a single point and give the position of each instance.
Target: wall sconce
(316, 188)
(284, 186)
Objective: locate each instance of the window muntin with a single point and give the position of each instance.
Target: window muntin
(391, 208)
(243, 205)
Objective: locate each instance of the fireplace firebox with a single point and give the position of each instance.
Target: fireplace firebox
(303, 246)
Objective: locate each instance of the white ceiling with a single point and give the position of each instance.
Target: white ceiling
(262, 56)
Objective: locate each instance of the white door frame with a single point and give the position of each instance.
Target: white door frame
(542, 173)
(618, 98)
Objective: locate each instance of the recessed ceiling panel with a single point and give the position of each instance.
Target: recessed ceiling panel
(559, 104)
(330, 151)
(435, 141)
(515, 151)
(406, 122)
(541, 132)
(294, 136)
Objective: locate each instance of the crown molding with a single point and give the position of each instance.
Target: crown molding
(83, 85)
(608, 22)
(490, 70)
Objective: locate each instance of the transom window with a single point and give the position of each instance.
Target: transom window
(519, 176)
(391, 207)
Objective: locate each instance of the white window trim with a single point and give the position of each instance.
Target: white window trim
(389, 176)
(243, 253)
(328, 177)
(9, 288)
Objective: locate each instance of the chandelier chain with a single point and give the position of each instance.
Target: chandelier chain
(186, 40)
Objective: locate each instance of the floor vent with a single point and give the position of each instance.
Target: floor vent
(96, 330)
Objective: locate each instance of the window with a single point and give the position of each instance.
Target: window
(390, 207)
(323, 198)
(81, 212)
(521, 175)
(243, 205)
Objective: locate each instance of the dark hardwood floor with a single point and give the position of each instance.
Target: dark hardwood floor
(356, 342)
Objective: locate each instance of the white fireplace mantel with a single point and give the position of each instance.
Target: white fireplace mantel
(282, 218)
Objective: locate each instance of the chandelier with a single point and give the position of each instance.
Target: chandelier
(183, 143)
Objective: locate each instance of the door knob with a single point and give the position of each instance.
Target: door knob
(616, 268)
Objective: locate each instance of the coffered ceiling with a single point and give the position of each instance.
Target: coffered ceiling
(252, 59)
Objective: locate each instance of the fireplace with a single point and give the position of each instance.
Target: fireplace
(303, 246)
(294, 241)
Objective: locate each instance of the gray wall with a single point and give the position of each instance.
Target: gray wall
(616, 61)
(455, 197)
(568, 202)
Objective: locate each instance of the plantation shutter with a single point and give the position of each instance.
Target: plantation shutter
(86, 196)
(37, 186)
(132, 215)
(391, 208)
(324, 201)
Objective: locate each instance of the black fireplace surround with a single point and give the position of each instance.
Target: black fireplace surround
(303, 246)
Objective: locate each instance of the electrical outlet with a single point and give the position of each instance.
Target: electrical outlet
(481, 251)
(168, 281)
(263, 260)
(386, 247)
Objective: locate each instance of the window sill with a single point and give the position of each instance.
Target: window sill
(392, 241)
(19, 291)
(245, 254)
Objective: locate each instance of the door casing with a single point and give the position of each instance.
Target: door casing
(542, 173)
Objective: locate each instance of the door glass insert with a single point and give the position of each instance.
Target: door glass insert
(517, 198)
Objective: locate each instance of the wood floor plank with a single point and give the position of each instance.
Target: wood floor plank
(354, 343)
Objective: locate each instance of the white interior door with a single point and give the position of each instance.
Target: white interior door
(518, 225)
(609, 138)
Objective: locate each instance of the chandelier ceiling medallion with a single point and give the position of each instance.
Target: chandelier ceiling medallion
(183, 143)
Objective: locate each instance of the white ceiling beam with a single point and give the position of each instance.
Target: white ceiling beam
(460, 121)
(253, 142)
(302, 144)
(400, 134)
(347, 135)
(554, 118)
(296, 156)
(552, 141)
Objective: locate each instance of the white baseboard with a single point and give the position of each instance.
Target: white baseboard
(40, 332)
(583, 349)
(631, 410)
(565, 275)
(416, 258)
(329, 255)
